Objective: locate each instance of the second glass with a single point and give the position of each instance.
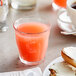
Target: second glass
(23, 4)
(59, 3)
(3, 15)
(32, 37)
(63, 18)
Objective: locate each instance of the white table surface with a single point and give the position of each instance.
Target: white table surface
(9, 60)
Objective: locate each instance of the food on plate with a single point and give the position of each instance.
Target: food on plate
(69, 55)
(66, 67)
(61, 69)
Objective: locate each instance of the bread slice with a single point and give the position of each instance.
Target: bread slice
(69, 55)
(61, 69)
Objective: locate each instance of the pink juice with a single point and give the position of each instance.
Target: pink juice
(33, 42)
(61, 3)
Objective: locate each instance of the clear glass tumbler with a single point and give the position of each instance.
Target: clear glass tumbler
(23, 4)
(3, 15)
(62, 17)
(32, 37)
(57, 4)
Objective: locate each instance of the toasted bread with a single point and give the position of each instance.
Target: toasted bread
(69, 55)
(52, 72)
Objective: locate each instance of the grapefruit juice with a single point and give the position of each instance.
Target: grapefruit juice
(32, 40)
(61, 3)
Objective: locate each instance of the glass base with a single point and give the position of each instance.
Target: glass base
(3, 27)
(26, 7)
(55, 7)
(31, 63)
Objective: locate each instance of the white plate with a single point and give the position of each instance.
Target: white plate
(46, 71)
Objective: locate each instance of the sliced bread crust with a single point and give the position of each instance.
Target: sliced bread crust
(66, 54)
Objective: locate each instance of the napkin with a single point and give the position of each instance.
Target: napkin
(30, 72)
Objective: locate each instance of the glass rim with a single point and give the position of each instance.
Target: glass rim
(29, 22)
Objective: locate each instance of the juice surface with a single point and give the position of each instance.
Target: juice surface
(32, 27)
(32, 48)
(61, 3)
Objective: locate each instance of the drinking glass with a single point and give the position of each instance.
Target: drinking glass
(32, 37)
(57, 4)
(3, 15)
(23, 4)
(62, 16)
